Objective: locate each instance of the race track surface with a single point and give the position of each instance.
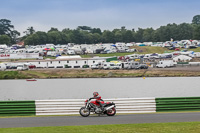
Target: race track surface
(98, 120)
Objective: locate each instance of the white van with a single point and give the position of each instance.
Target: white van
(109, 65)
(22, 67)
(95, 66)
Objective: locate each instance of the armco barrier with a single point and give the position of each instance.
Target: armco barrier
(178, 104)
(72, 106)
(8, 108)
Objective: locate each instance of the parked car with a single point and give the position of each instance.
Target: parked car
(103, 52)
(142, 66)
(31, 66)
(177, 49)
(13, 67)
(85, 66)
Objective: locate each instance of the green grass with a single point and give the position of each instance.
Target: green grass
(150, 50)
(195, 50)
(140, 50)
(11, 75)
(182, 127)
(106, 55)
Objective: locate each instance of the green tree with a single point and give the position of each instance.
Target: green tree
(5, 27)
(155, 36)
(5, 39)
(107, 37)
(96, 38)
(147, 35)
(96, 30)
(196, 19)
(54, 37)
(86, 28)
(14, 36)
(53, 29)
(196, 32)
(128, 36)
(29, 31)
(29, 40)
(118, 37)
(185, 31)
(42, 37)
(139, 35)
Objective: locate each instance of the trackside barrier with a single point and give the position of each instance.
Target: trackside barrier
(123, 105)
(15, 108)
(178, 104)
(72, 106)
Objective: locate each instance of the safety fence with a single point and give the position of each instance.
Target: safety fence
(178, 104)
(16, 108)
(123, 105)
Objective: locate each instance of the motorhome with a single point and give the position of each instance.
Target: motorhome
(71, 52)
(118, 66)
(165, 63)
(147, 56)
(133, 56)
(129, 65)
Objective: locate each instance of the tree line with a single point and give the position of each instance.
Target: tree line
(88, 35)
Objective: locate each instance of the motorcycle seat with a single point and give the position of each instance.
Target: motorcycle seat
(104, 104)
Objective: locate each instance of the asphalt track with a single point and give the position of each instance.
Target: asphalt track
(98, 120)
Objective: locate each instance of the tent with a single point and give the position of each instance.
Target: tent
(142, 45)
(52, 49)
(182, 58)
(47, 49)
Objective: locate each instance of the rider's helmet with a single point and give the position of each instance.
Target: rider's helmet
(95, 94)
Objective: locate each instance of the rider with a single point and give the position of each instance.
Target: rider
(97, 97)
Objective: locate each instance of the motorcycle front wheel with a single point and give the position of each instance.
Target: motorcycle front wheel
(111, 112)
(84, 112)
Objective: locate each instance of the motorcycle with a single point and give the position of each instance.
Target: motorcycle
(93, 106)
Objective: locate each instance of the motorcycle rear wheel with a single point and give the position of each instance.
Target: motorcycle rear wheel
(111, 112)
(84, 112)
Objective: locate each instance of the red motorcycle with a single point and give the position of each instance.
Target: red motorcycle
(92, 106)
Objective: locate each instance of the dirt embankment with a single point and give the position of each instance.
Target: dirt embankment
(88, 73)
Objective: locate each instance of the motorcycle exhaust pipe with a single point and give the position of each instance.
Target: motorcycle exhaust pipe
(110, 107)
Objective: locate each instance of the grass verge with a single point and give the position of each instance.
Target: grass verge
(12, 75)
(88, 73)
(181, 127)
